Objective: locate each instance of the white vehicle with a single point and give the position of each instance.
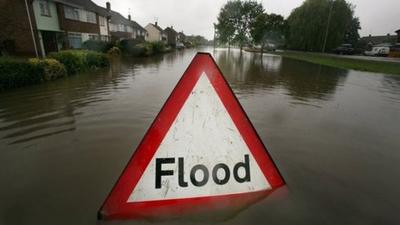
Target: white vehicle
(378, 51)
(180, 45)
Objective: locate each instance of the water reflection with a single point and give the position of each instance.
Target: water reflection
(302, 81)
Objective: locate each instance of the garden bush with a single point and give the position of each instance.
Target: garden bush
(114, 51)
(17, 73)
(97, 45)
(80, 60)
(158, 47)
(51, 68)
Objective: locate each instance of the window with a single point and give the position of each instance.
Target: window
(71, 13)
(102, 21)
(104, 37)
(44, 8)
(91, 17)
(93, 37)
(75, 40)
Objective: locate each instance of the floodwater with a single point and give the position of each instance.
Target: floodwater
(333, 133)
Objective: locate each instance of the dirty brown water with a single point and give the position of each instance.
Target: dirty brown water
(333, 133)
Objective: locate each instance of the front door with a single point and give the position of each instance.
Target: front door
(49, 41)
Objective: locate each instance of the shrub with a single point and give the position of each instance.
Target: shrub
(17, 73)
(52, 69)
(158, 47)
(132, 47)
(96, 60)
(114, 51)
(80, 60)
(97, 45)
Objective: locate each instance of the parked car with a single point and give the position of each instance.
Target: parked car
(180, 45)
(344, 49)
(378, 51)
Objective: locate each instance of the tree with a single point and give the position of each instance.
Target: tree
(352, 35)
(226, 22)
(268, 29)
(309, 22)
(235, 21)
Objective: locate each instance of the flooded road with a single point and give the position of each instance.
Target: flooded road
(334, 135)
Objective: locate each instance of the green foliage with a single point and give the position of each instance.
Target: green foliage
(97, 45)
(308, 24)
(17, 73)
(236, 20)
(138, 48)
(268, 28)
(114, 51)
(127, 46)
(352, 36)
(158, 47)
(80, 60)
(52, 69)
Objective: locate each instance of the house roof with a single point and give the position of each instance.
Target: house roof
(137, 26)
(86, 4)
(380, 39)
(117, 18)
(170, 30)
(157, 27)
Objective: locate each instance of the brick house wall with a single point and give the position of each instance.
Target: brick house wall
(14, 25)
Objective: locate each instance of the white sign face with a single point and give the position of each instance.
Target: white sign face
(202, 154)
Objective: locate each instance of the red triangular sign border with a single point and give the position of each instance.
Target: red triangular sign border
(116, 205)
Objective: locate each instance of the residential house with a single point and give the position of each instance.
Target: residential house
(155, 33)
(181, 37)
(63, 24)
(80, 21)
(37, 27)
(122, 28)
(172, 36)
(379, 40)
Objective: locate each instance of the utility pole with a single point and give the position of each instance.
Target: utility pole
(327, 27)
(214, 42)
(32, 31)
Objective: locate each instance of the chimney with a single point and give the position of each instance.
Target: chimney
(155, 23)
(129, 17)
(108, 6)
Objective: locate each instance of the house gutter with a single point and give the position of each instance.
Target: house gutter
(30, 25)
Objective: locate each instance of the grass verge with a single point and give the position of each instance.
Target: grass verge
(344, 63)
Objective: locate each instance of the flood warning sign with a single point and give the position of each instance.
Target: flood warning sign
(200, 150)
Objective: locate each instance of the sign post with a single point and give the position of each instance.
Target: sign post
(200, 153)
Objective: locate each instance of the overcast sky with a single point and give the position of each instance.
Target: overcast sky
(197, 16)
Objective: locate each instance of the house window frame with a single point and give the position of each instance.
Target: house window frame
(44, 8)
(73, 37)
(102, 21)
(91, 17)
(71, 13)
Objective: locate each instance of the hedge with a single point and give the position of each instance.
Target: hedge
(20, 72)
(17, 73)
(138, 48)
(97, 45)
(76, 61)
